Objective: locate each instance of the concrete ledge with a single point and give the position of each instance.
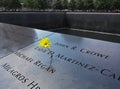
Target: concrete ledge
(104, 22)
(44, 20)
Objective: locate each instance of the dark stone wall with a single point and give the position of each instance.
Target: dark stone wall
(44, 20)
(104, 22)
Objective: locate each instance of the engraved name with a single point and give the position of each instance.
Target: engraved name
(20, 77)
(89, 52)
(103, 71)
(37, 63)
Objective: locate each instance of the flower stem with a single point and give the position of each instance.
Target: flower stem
(51, 56)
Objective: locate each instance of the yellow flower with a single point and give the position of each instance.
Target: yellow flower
(45, 43)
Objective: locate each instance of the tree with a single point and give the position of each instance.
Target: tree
(21, 1)
(1, 3)
(43, 4)
(29, 3)
(65, 4)
(115, 4)
(102, 4)
(36, 4)
(88, 4)
(72, 5)
(14, 4)
(57, 4)
(11, 4)
(79, 4)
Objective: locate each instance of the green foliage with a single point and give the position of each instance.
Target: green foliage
(62, 4)
(43, 4)
(15, 4)
(65, 4)
(72, 5)
(102, 4)
(27, 3)
(88, 4)
(115, 4)
(97, 4)
(21, 1)
(57, 4)
(79, 4)
(30, 3)
(36, 4)
(1, 3)
(11, 4)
